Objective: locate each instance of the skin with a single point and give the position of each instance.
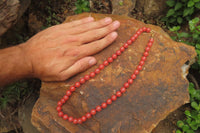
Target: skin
(58, 52)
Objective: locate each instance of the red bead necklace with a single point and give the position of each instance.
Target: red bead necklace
(97, 71)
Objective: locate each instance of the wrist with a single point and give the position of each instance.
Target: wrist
(27, 64)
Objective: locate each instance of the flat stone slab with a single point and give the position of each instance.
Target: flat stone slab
(160, 88)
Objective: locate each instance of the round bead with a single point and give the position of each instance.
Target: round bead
(148, 30)
(101, 66)
(136, 72)
(97, 71)
(138, 32)
(151, 40)
(126, 85)
(59, 103)
(58, 108)
(98, 108)
(149, 44)
(104, 105)
(139, 67)
(147, 49)
(144, 29)
(123, 89)
(146, 54)
(122, 49)
(118, 52)
(65, 117)
(130, 81)
(133, 38)
(93, 112)
(77, 84)
(109, 101)
(66, 97)
(92, 74)
(105, 63)
(72, 88)
(118, 94)
(114, 97)
(79, 121)
(62, 100)
(141, 63)
(129, 42)
(86, 77)
(68, 93)
(114, 56)
(133, 76)
(141, 30)
(144, 58)
(136, 36)
(88, 115)
(75, 121)
(60, 114)
(125, 45)
(110, 59)
(83, 118)
(82, 80)
(70, 119)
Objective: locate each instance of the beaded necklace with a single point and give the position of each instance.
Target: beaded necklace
(119, 93)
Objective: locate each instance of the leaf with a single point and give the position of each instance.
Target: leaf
(175, 28)
(195, 105)
(195, 36)
(178, 6)
(179, 20)
(170, 12)
(178, 131)
(197, 5)
(180, 124)
(196, 0)
(187, 112)
(190, 3)
(198, 46)
(183, 34)
(170, 3)
(188, 11)
(185, 128)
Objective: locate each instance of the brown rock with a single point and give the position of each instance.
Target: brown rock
(160, 88)
(122, 7)
(151, 8)
(10, 12)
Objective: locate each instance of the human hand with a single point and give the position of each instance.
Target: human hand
(62, 51)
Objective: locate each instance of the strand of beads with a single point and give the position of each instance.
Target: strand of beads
(119, 93)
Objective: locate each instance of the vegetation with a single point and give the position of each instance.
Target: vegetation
(82, 6)
(180, 11)
(192, 123)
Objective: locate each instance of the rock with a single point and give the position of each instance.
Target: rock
(24, 115)
(34, 24)
(160, 88)
(151, 8)
(122, 7)
(10, 12)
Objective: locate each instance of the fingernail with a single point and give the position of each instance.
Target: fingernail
(90, 18)
(116, 23)
(92, 61)
(114, 34)
(107, 20)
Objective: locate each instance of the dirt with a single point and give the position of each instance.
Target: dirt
(43, 14)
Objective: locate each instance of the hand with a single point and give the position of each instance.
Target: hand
(62, 51)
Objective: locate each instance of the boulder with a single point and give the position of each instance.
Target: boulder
(160, 88)
(10, 12)
(151, 8)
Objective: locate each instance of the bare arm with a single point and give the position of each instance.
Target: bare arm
(58, 52)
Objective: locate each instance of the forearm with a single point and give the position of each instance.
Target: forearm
(13, 65)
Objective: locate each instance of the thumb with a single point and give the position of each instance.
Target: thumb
(79, 66)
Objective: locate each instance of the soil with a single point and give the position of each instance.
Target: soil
(43, 14)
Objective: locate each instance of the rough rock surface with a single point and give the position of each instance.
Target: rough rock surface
(151, 8)
(159, 89)
(124, 8)
(10, 12)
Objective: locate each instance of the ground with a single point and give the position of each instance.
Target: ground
(43, 14)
